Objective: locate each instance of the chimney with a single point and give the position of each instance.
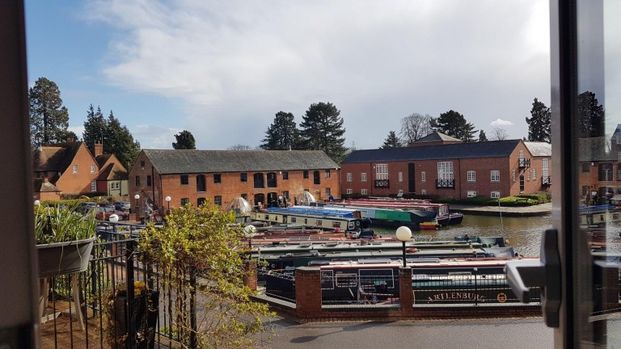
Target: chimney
(98, 149)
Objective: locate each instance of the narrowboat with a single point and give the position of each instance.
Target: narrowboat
(599, 215)
(338, 219)
(393, 218)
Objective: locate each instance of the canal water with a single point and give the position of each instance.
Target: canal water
(522, 233)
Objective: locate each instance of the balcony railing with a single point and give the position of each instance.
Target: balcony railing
(523, 163)
(382, 183)
(445, 183)
(546, 180)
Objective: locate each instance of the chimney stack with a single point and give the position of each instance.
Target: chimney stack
(98, 149)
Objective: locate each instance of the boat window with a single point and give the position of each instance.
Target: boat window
(377, 279)
(327, 279)
(346, 280)
(336, 224)
(293, 219)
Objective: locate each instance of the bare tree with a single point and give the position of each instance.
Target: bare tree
(499, 134)
(414, 127)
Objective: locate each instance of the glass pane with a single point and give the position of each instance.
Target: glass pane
(598, 133)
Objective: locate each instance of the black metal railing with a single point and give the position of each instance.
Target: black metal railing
(382, 183)
(523, 163)
(119, 301)
(445, 183)
(546, 180)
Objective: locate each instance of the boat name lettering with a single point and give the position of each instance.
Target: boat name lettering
(443, 296)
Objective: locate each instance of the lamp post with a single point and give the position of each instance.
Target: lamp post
(403, 234)
(114, 218)
(167, 199)
(137, 198)
(249, 231)
(37, 202)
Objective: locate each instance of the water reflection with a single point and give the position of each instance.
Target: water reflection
(523, 233)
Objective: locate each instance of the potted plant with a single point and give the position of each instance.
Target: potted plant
(64, 239)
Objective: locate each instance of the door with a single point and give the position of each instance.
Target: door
(521, 183)
(411, 178)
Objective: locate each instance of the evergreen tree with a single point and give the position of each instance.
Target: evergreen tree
(322, 129)
(185, 140)
(94, 127)
(120, 142)
(482, 136)
(282, 134)
(539, 122)
(590, 116)
(49, 119)
(392, 141)
(455, 125)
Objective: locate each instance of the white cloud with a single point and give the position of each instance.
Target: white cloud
(235, 63)
(501, 123)
(153, 136)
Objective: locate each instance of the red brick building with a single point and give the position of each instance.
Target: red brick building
(195, 176)
(449, 169)
(71, 169)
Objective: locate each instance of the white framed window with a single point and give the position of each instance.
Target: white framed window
(534, 174)
(74, 168)
(494, 176)
(363, 177)
(494, 195)
(513, 175)
(381, 171)
(364, 192)
(93, 186)
(445, 170)
(400, 175)
(349, 191)
(348, 176)
(423, 176)
(471, 193)
(545, 168)
(423, 192)
(471, 176)
(93, 168)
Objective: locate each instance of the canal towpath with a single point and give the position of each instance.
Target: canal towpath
(523, 211)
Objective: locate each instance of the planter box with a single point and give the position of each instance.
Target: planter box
(64, 257)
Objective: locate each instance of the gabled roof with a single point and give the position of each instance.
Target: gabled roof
(108, 173)
(54, 158)
(42, 185)
(436, 136)
(101, 159)
(171, 161)
(492, 149)
(539, 148)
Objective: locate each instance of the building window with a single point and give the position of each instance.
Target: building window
(185, 201)
(605, 172)
(348, 177)
(494, 176)
(217, 200)
(271, 180)
(285, 175)
(305, 174)
(381, 171)
(184, 179)
(327, 173)
(534, 174)
(217, 178)
(258, 180)
(545, 172)
(364, 192)
(201, 185)
(445, 170)
(243, 177)
(316, 177)
(349, 191)
(471, 193)
(471, 176)
(618, 155)
(93, 186)
(148, 181)
(142, 164)
(494, 195)
(200, 201)
(513, 175)
(285, 194)
(137, 181)
(423, 176)
(93, 168)
(400, 176)
(328, 192)
(75, 168)
(244, 196)
(363, 177)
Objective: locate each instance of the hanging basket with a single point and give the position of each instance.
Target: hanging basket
(64, 257)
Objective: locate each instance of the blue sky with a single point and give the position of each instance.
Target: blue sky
(222, 69)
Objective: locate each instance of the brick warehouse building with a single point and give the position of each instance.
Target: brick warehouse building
(449, 169)
(194, 176)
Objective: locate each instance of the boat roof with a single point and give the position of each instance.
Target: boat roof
(314, 211)
(424, 262)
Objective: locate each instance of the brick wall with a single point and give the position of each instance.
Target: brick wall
(79, 182)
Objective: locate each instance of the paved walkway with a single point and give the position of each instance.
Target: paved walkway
(528, 333)
(535, 210)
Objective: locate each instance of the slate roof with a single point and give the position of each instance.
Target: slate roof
(171, 161)
(101, 159)
(539, 148)
(492, 149)
(436, 136)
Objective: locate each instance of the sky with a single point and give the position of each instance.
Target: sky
(222, 69)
